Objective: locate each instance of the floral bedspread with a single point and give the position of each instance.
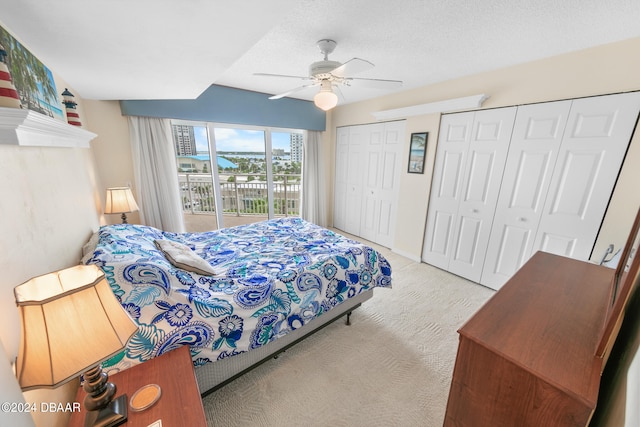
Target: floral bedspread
(274, 277)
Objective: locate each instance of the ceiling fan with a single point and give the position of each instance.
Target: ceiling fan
(329, 75)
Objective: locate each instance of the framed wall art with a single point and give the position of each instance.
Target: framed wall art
(417, 152)
(31, 82)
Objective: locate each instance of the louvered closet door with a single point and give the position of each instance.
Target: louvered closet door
(535, 143)
(448, 174)
(486, 158)
(593, 149)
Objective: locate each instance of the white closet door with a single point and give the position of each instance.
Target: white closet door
(535, 143)
(368, 169)
(340, 186)
(595, 143)
(389, 182)
(371, 183)
(358, 136)
(488, 149)
(381, 175)
(448, 173)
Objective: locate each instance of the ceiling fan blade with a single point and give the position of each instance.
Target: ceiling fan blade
(282, 75)
(337, 91)
(374, 83)
(351, 67)
(298, 89)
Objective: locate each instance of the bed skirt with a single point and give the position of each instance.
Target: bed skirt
(214, 375)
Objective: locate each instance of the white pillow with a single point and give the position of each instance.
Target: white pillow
(183, 257)
(89, 247)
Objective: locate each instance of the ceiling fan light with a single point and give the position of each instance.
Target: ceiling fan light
(325, 100)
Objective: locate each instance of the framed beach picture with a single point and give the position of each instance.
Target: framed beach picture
(30, 82)
(417, 152)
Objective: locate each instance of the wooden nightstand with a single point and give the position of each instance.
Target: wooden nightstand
(180, 403)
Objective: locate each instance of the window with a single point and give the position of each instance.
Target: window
(257, 173)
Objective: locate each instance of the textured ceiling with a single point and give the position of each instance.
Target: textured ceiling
(159, 49)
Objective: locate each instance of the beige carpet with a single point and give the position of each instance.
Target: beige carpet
(391, 367)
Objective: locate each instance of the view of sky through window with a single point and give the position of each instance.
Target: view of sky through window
(238, 140)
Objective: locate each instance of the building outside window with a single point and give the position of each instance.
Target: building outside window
(257, 173)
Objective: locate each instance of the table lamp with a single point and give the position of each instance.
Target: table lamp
(71, 322)
(120, 201)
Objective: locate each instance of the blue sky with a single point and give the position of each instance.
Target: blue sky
(228, 139)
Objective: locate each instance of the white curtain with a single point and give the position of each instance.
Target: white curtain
(154, 165)
(313, 206)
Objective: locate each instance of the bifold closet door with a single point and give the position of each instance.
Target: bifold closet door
(486, 158)
(368, 169)
(358, 136)
(593, 148)
(550, 194)
(472, 150)
(350, 144)
(389, 181)
(535, 144)
(340, 185)
(370, 210)
(382, 163)
(448, 174)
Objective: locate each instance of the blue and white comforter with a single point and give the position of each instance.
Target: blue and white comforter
(275, 276)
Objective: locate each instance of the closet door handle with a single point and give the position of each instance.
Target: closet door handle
(522, 219)
(475, 210)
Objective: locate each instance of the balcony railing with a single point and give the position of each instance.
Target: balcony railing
(242, 194)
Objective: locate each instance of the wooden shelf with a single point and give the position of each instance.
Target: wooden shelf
(28, 128)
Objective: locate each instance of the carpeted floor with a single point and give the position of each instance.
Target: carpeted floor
(391, 367)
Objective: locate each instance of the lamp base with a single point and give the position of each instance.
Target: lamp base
(113, 415)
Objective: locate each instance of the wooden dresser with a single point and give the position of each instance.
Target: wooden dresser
(534, 353)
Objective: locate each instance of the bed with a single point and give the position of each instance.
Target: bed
(262, 288)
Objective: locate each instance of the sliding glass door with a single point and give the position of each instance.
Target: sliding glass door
(195, 176)
(256, 175)
(244, 184)
(287, 172)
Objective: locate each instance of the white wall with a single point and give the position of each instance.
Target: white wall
(112, 151)
(52, 201)
(602, 70)
(47, 212)
(50, 204)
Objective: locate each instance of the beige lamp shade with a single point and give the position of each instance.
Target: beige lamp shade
(71, 321)
(120, 200)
